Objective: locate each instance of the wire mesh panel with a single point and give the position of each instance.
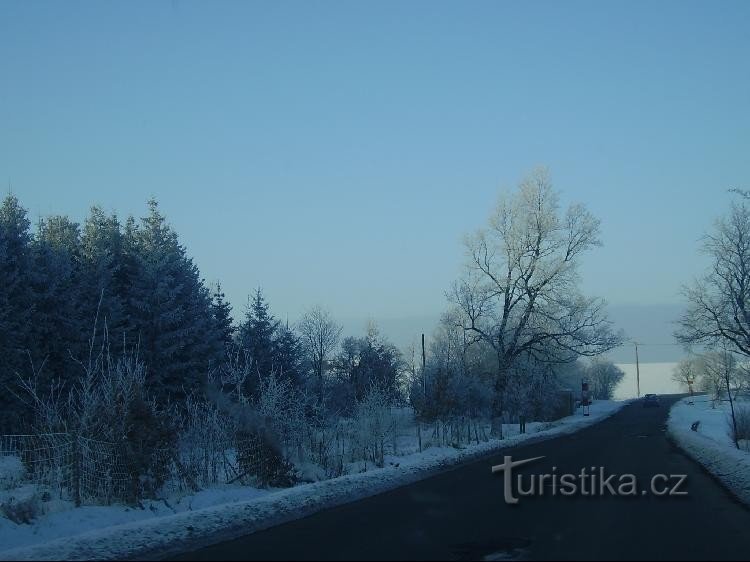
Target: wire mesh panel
(90, 471)
(262, 463)
(103, 474)
(207, 463)
(119, 472)
(45, 460)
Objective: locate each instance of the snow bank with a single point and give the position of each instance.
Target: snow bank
(61, 519)
(11, 471)
(711, 445)
(124, 533)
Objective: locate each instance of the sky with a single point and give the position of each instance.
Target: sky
(337, 152)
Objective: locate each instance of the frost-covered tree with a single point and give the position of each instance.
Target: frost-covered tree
(686, 372)
(222, 315)
(104, 284)
(107, 400)
(134, 279)
(16, 302)
(320, 335)
(603, 376)
(289, 355)
(719, 372)
(520, 294)
(58, 329)
(375, 423)
(256, 335)
(364, 362)
(269, 346)
(718, 311)
(169, 307)
(457, 374)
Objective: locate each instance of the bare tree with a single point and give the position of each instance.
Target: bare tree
(320, 334)
(719, 302)
(604, 377)
(718, 373)
(235, 372)
(520, 291)
(686, 372)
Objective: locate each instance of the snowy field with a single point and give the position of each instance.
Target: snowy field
(218, 514)
(711, 445)
(656, 378)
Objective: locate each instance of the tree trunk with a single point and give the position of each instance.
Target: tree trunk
(731, 406)
(496, 429)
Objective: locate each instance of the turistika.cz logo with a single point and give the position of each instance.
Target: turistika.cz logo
(593, 481)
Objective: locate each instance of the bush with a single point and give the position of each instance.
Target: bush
(110, 408)
(258, 457)
(12, 471)
(375, 424)
(742, 436)
(205, 437)
(21, 511)
(150, 446)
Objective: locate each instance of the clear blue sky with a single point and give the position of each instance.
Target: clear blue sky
(335, 152)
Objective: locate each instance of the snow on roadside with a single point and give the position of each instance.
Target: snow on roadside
(119, 532)
(711, 445)
(66, 521)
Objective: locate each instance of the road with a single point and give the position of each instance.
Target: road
(461, 514)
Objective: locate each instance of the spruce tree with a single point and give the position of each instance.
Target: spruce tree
(169, 307)
(103, 291)
(16, 305)
(222, 317)
(289, 355)
(257, 337)
(57, 327)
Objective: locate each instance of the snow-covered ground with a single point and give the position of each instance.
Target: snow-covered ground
(220, 514)
(711, 445)
(655, 378)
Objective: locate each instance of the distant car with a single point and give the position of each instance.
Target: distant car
(650, 401)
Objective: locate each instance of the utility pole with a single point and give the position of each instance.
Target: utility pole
(424, 396)
(637, 371)
(424, 373)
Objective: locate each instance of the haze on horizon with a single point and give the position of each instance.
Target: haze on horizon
(336, 153)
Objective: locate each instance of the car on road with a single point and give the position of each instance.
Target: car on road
(650, 401)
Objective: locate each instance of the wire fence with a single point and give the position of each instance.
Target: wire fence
(94, 472)
(45, 460)
(91, 472)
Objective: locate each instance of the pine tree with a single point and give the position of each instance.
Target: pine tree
(222, 316)
(168, 306)
(288, 355)
(16, 304)
(367, 361)
(103, 290)
(126, 281)
(57, 327)
(257, 337)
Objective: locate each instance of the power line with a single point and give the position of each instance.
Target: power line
(640, 344)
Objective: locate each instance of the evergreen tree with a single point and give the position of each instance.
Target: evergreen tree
(222, 316)
(126, 280)
(169, 307)
(257, 336)
(364, 362)
(103, 289)
(16, 304)
(289, 355)
(57, 327)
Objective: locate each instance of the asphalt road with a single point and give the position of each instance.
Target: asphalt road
(461, 514)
